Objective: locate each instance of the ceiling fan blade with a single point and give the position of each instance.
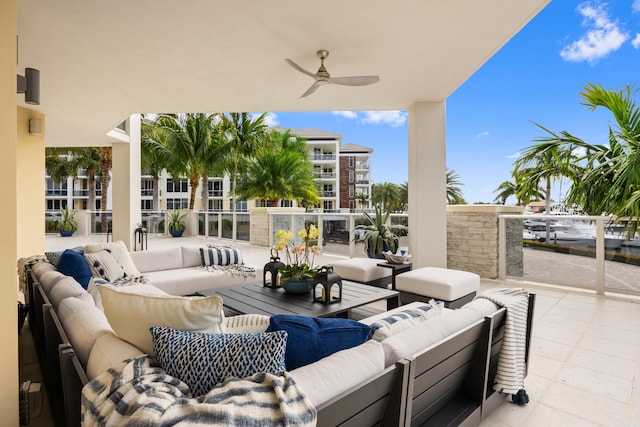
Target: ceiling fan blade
(299, 68)
(355, 80)
(312, 89)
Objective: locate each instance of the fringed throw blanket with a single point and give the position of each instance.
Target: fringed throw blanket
(23, 264)
(140, 393)
(511, 362)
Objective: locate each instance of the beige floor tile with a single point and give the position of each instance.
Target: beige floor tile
(544, 366)
(605, 363)
(551, 349)
(557, 332)
(597, 382)
(547, 416)
(585, 405)
(625, 349)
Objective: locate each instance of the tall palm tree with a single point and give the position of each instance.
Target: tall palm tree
(283, 171)
(454, 192)
(517, 188)
(247, 135)
(187, 147)
(362, 199)
(152, 161)
(105, 159)
(385, 194)
(543, 163)
(607, 177)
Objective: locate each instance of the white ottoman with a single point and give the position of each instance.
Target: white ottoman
(363, 270)
(454, 287)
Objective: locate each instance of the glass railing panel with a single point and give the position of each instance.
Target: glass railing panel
(622, 254)
(243, 227)
(212, 224)
(227, 226)
(336, 234)
(153, 222)
(559, 251)
(201, 224)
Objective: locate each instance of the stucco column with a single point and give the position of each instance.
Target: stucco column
(127, 212)
(8, 215)
(427, 184)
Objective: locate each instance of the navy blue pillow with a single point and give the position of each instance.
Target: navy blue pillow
(72, 263)
(310, 338)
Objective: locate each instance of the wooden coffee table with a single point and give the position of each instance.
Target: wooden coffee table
(256, 299)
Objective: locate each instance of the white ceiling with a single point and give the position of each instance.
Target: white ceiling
(103, 60)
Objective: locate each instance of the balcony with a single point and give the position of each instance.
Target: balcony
(325, 175)
(322, 157)
(216, 193)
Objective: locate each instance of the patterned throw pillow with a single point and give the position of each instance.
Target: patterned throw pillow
(104, 266)
(53, 257)
(220, 255)
(203, 360)
(405, 319)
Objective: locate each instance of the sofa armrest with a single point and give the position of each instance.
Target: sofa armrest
(245, 323)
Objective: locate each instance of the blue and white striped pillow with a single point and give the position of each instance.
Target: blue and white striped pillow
(405, 319)
(220, 255)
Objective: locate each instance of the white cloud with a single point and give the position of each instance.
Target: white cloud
(483, 134)
(271, 119)
(394, 118)
(348, 114)
(514, 156)
(636, 41)
(635, 6)
(603, 35)
(579, 152)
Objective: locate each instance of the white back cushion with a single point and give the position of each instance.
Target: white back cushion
(166, 259)
(109, 351)
(119, 252)
(131, 315)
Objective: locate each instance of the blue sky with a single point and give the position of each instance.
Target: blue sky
(535, 77)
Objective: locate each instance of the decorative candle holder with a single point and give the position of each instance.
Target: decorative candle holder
(272, 268)
(327, 286)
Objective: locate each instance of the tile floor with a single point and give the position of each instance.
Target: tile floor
(585, 356)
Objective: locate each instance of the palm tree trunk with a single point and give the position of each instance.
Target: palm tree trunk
(205, 191)
(547, 197)
(156, 193)
(91, 183)
(104, 181)
(193, 181)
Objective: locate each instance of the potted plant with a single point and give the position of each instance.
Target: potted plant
(66, 224)
(377, 236)
(176, 222)
(298, 273)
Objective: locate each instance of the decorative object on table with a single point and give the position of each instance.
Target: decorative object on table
(272, 270)
(396, 258)
(299, 257)
(176, 222)
(327, 286)
(303, 286)
(66, 224)
(377, 236)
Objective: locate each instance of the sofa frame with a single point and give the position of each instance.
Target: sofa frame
(446, 384)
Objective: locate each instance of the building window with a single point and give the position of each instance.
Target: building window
(240, 206)
(352, 161)
(215, 205)
(146, 187)
(215, 188)
(56, 205)
(352, 205)
(146, 205)
(56, 188)
(177, 204)
(181, 186)
(286, 203)
(327, 205)
(351, 176)
(351, 191)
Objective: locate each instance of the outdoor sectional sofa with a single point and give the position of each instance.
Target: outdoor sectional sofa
(437, 372)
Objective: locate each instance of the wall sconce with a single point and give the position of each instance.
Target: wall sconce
(35, 126)
(29, 84)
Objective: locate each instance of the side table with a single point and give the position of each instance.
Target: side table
(395, 270)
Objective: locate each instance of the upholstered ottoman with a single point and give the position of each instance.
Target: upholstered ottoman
(454, 287)
(363, 270)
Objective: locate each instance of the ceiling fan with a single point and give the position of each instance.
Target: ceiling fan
(322, 76)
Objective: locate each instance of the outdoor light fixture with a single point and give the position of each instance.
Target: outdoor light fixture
(29, 84)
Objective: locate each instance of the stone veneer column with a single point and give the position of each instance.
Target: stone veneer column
(472, 239)
(259, 228)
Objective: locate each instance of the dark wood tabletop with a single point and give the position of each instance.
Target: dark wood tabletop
(256, 299)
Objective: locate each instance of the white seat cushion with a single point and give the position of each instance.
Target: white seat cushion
(438, 283)
(360, 269)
